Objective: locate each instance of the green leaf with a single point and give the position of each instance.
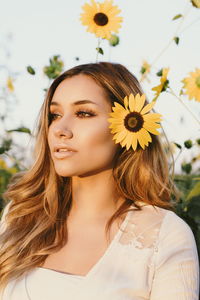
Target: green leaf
(20, 129)
(178, 145)
(114, 40)
(159, 73)
(188, 144)
(198, 141)
(186, 167)
(6, 145)
(55, 68)
(165, 85)
(176, 39)
(30, 70)
(2, 150)
(177, 17)
(181, 92)
(99, 50)
(142, 70)
(195, 191)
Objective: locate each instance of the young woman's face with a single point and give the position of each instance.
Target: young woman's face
(81, 126)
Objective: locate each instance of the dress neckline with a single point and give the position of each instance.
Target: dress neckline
(100, 260)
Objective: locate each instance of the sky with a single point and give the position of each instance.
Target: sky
(33, 31)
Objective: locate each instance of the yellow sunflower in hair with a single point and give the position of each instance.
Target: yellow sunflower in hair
(133, 124)
(101, 18)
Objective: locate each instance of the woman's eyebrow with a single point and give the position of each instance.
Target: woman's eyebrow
(54, 103)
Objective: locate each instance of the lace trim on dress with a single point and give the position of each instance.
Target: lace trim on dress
(143, 227)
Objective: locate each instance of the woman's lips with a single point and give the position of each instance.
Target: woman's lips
(63, 154)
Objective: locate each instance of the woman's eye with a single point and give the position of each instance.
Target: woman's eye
(82, 112)
(53, 116)
(79, 113)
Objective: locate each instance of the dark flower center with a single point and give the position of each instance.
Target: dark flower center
(134, 121)
(100, 19)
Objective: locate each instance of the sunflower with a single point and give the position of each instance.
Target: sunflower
(192, 85)
(132, 123)
(163, 83)
(101, 18)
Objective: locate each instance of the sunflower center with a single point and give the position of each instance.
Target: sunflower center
(134, 121)
(198, 81)
(101, 19)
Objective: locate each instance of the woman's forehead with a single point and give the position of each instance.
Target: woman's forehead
(80, 89)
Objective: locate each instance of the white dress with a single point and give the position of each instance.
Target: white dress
(153, 257)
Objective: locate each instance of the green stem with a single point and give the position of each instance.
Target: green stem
(180, 100)
(98, 45)
(184, 29)
(172, 39)
(109, 52)
(181, 150)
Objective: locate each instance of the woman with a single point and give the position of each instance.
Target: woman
(85, 180)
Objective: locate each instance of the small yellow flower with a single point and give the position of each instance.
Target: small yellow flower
(192, 85)
(3, 164)
(145, 69)
(101, 18)
(132, 123)
(163, 83)
(10, 85)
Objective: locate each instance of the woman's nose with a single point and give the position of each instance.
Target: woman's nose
(62, 130)
(63, 133)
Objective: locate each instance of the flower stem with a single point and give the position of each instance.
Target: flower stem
(98, 45)
(175, 160)
(180, 100)
(195, 21)
(171, 40)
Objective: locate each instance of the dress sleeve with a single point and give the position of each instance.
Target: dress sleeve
(176, 274)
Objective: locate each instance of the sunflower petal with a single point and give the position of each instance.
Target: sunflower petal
(140, 100)
(151, 129)
(147, 108)
(118, 105)
(191, 85)
(134, 141)
(126, 102)
(143, 138)
(128, 140)
(119, 136)
(131, 102)
(152, 117)
(117, 128)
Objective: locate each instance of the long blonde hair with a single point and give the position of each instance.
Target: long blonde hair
(40, 200)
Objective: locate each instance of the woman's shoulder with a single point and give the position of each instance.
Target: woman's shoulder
(156, 224)
(167, 218)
